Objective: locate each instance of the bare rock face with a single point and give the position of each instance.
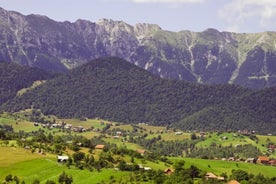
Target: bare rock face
(208, 57)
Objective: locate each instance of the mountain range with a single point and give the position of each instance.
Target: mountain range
(208, 57)
(114, 89)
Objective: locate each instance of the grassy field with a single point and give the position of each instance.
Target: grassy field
(235, 139)
(264, 139)
(48, 169)
(12, 155)
(7, 121)
(218, 166)
(87, 123)
(30, 166)
(123, 127)
(225, 139)
(17, 125)
(119, 143)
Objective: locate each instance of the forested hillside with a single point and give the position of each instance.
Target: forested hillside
(14, 77)
(114, 89)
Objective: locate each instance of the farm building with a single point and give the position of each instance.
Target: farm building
(62, 158)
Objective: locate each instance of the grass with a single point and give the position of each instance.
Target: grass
(25, 126)
(231, 139)
(264, 139)
(6, 121)
(88, 123)
(218, 166)
(235, 139)
(123, 127)
(30, 166)
(154, 129)
(17, 125)
(172, 136)
(49, 169)
(118, 142)
(34, 85)
(12, 155)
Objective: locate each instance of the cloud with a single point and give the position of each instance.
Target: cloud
(238, 13)
(168, 1)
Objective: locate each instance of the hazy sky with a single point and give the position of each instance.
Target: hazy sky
(196, 15)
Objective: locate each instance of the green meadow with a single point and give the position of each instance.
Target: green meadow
(218, 166)
(30, 166)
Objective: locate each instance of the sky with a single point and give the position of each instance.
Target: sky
(241, 16)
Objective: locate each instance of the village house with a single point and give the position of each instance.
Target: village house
(263, 160)
(118, 133)
(233, 182)
(142, 152)
(271, 148)
(99, 146)
(251, 160)
(67, 126)
(61, 158)
(56, 125)
(202, 134)
(210, 175)
(147, 168)
(231, 159)
(168, 171)
(116, 136)
(78, 129)
(272, 162)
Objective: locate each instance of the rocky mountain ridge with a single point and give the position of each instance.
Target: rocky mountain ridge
(208, 57)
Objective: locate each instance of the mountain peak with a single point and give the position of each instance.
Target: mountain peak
(144, 28)
(209, 57)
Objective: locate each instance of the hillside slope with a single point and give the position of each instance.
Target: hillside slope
(111, 88)
(14, 77)
(208, 57)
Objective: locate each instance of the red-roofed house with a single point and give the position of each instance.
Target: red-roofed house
(99, 146)
(233, 182)
(168, 171)
(263, 160)
(272, 162)
(142, 152)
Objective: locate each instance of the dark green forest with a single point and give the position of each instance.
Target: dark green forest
(14, 77)
(113, 89)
